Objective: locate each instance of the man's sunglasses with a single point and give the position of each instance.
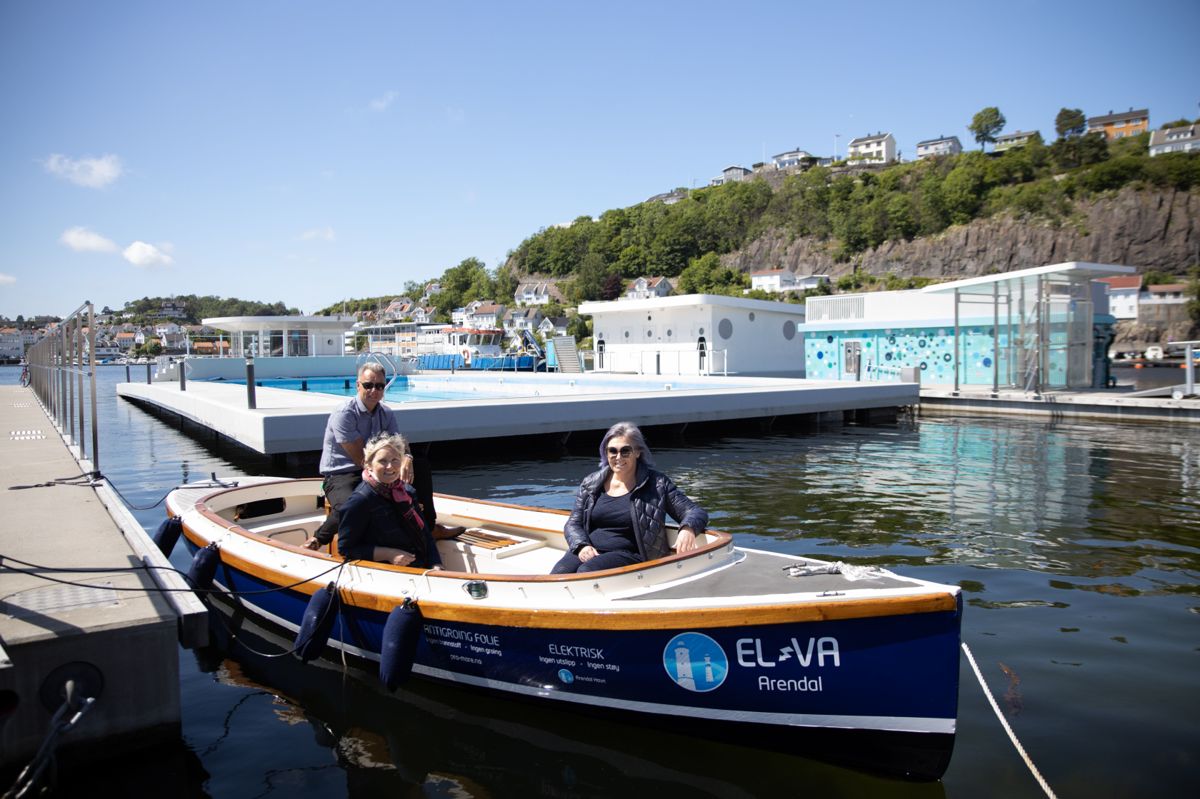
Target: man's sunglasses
(374, 386)
(624, 452)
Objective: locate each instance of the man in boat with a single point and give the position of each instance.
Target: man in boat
(347, 432)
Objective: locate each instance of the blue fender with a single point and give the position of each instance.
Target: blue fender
(398, 649)
(318, 621)
(204, 567)
(167, 534)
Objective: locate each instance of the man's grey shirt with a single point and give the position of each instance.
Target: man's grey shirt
(352, 422)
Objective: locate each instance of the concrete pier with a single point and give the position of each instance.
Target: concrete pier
(294, 421)
(117, 638)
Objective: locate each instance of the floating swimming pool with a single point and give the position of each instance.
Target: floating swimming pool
(442, 388)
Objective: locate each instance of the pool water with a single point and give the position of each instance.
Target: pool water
(420, 388)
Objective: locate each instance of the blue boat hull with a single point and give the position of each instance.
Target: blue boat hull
(879, 693)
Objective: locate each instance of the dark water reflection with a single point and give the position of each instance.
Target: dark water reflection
(1077, 546)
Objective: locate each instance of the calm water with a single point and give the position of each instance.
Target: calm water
(1077, 545)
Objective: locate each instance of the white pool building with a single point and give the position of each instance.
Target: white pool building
(697, 334)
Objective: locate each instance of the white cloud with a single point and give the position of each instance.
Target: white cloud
(318, 233)
(95, 173)
(147, 255)
(6, 279)
(382, 103)
(81, 239)
(456, 114)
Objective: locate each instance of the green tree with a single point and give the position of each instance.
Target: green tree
(986, 124)
(707, 275)
(589, 280)
(1070, 123)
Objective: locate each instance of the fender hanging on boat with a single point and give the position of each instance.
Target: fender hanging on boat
(398, 648)
(318, 623)
(167, 534)
(204, 567)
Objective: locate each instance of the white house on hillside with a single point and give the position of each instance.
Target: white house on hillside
(773, 280)
(1123, 295)
(942, 145)
(645, 287)
(1184, 139)
(1007, 141)
(792, 158)
(877, 149)
(536, 293)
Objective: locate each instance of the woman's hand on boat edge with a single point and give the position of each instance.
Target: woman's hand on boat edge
(685, 541)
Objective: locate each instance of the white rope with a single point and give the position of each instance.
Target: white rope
(1004, 722)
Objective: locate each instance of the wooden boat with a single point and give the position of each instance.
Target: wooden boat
(858, 665)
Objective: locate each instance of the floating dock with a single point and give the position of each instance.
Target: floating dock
(113, 633)
(286, 421)
(1098, 404)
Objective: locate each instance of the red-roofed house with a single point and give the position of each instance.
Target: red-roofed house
(644, 288)
(1123, 295)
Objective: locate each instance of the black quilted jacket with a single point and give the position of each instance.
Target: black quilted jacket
(654, 497)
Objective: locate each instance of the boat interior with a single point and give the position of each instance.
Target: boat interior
(484, 546)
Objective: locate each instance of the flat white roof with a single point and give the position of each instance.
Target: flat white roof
(1070, 269)
(238, 324)
(690, 300)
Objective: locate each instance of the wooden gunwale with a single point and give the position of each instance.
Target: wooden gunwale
(582, 619)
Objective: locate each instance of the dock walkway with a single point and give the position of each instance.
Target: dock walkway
(119, 646)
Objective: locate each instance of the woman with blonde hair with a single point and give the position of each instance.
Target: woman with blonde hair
(382, 519)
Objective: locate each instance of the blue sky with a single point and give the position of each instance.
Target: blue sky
(308, 152)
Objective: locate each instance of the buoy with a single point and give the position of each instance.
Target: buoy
(204, 567)
(167, 534)
(399, 647)
(318, 623)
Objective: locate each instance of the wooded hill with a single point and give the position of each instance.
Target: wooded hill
(842, 217)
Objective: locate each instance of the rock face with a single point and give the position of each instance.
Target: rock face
(1147, 229)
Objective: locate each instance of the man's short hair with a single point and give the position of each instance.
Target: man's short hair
(374, 366)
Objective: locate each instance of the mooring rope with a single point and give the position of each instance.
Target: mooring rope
(1004, 722)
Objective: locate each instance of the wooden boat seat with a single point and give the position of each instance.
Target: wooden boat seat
(478, 550)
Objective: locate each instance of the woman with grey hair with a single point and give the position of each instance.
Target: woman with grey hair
(620, 511)
(382, 519)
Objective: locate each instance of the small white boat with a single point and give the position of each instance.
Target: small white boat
(854, 664)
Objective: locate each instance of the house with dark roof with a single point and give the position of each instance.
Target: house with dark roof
(877, 149)
(1185, 139)
(1117, 126)
(942, 145)
(1018, 138)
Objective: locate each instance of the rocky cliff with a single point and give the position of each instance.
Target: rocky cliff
(1147, 229)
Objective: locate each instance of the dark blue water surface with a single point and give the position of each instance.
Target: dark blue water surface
(1077, 546)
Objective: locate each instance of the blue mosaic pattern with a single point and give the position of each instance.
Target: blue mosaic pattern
(931, 349)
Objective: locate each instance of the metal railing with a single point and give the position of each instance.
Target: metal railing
(58, 365)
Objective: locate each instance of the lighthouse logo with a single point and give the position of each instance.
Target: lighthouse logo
(695, 662)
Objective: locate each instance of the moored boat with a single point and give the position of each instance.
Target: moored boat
(856, 664)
